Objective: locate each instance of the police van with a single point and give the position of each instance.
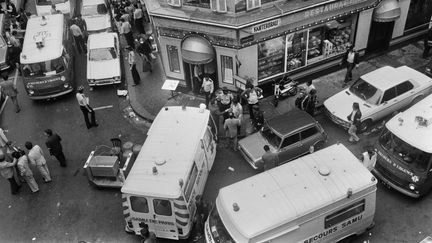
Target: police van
(404, 150)
(325, 196)
(170, 170)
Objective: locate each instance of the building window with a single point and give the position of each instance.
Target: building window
(227, 69)
(419, 13)
(240, 6)
(173, 59)
(175, 3)
(271, 55)
(198, 3)
(219, 5)
(252, 4)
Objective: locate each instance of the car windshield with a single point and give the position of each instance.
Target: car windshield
(50, 2)
(412, 157)
(217, 229)
(271, 137)
(42, 69)
(90, 10)
(102, 54)
(366, 91)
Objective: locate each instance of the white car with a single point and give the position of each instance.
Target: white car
(97, 15)
(103, 59)
(379, 93)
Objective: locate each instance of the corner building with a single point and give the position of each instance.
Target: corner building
(233, 40)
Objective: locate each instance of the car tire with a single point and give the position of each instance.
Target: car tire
(318, 145)
(416, 100)
(365, 125)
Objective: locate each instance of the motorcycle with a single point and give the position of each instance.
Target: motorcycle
(286, 87)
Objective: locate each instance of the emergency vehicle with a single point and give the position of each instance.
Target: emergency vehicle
(170, 170)
(325, 196)
(404, 150)
(46, 57)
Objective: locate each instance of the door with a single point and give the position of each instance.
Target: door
(388, 103)
(379, 36)
(405, 92)
(188, 71)
(164, 218)
(290, 148)
(308, 137)
(209, 145)
(140, 212)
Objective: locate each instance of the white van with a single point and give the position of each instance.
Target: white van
(325, 196)
(169, 172)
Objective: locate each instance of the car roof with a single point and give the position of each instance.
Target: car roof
(386, 77)
(92, 2)
(290, 121)
(101, 40)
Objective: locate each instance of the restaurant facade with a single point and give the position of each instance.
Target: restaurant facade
(264, 40)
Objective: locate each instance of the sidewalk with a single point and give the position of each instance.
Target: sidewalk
(148, 98)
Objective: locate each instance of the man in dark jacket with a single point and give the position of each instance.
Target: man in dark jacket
(55, 148)
(350, 59)
(269, 158)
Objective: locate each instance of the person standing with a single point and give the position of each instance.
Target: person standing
(82, 24)
(53, 143)
(11, 91)
(126, 30)
(144, 50)
(78, 37)
(138, 19)
(25, 171)
(208, 89)
(311, 102)
(197, 77)
(251, 94)
(231, 125)
(83, 102)
(269, 158)
(354, 118)
(237, 109)
(224, 101)
(10, 8)
(36, 157)
(350, 59)
(427, 43)
(7, 171)
(309, 87)
(132, 66)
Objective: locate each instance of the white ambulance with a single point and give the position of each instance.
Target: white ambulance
(169, 172)
(325, 196)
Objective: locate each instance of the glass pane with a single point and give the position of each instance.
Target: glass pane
(222, 5)
(47, 68)
(337, 35)
(240, 5)
(227, 69)
(139, 204)
(271, 56)
(191, 181)
(389, 94)
(291, 140)
(344, 214)
(296, 50)
(366, 91)
(404, 87)
(315, 44)
(198, 3)
(162, 207)
(173, 58)
(308, 133)
(419, 13)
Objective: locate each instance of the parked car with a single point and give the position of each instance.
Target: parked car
(97, 15)
(379, 93)
(103, 59)
(290, 135)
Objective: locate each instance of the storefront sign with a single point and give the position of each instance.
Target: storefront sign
(266, 26)
(246, 39)
(331, 7)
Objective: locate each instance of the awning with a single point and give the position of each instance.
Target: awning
(197, 50)
(387, 11)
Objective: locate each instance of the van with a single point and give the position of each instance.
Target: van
(404, 149)
(325, 196)
(170, 170)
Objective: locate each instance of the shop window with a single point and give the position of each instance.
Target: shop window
(198, 3)
(271, 56)
(173, 59)
(227, 69)
(191, 181)
(175, 3)
(296, 50)
(219, 5)
(252, 4)
(315, 45)
(419, 13)
(162, 207)
(139, 204)
(337, 36)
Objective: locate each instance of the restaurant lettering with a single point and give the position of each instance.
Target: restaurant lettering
(153, 221)
(397, 166)
(266, 26)
(331, 7)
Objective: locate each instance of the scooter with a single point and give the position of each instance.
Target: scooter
(286, 87)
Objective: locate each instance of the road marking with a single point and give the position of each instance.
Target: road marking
(103, 107)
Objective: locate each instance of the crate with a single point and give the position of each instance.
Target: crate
(104, 166)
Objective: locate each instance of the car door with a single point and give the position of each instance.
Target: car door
(405, 91)
(388, 103)
(309, 137)
(290, 148)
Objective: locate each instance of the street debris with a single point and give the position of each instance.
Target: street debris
(123, 93)
(231, 168)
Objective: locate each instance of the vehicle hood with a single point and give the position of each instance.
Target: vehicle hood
(340, 105)
(97, 22)
(253, 145)
(103, 69)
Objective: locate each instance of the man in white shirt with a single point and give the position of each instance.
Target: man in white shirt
(369, 159)
(126, 30)
(138, 19)
(83, 102)
(351, 60)
(36, 157)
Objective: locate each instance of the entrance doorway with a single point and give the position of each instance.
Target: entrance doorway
(194, 74)
(379, 36)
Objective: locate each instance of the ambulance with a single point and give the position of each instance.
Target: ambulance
(169, 172)
(326, 196)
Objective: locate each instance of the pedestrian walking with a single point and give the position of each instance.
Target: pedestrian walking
(36, 157)
(251, 94)
(82, 24)
(231, 125)
(144, 49)
(132, 66)
(78, 37)
(427, 43)
(7, 172)
(53, 143)
(11, 91)
(85, 107)
(25, 171)
(138, 19)
(369, 158)
(351, 60)
(270, 159)
(208, 89)
(354, 118)
(126, 30)
(224, 100)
